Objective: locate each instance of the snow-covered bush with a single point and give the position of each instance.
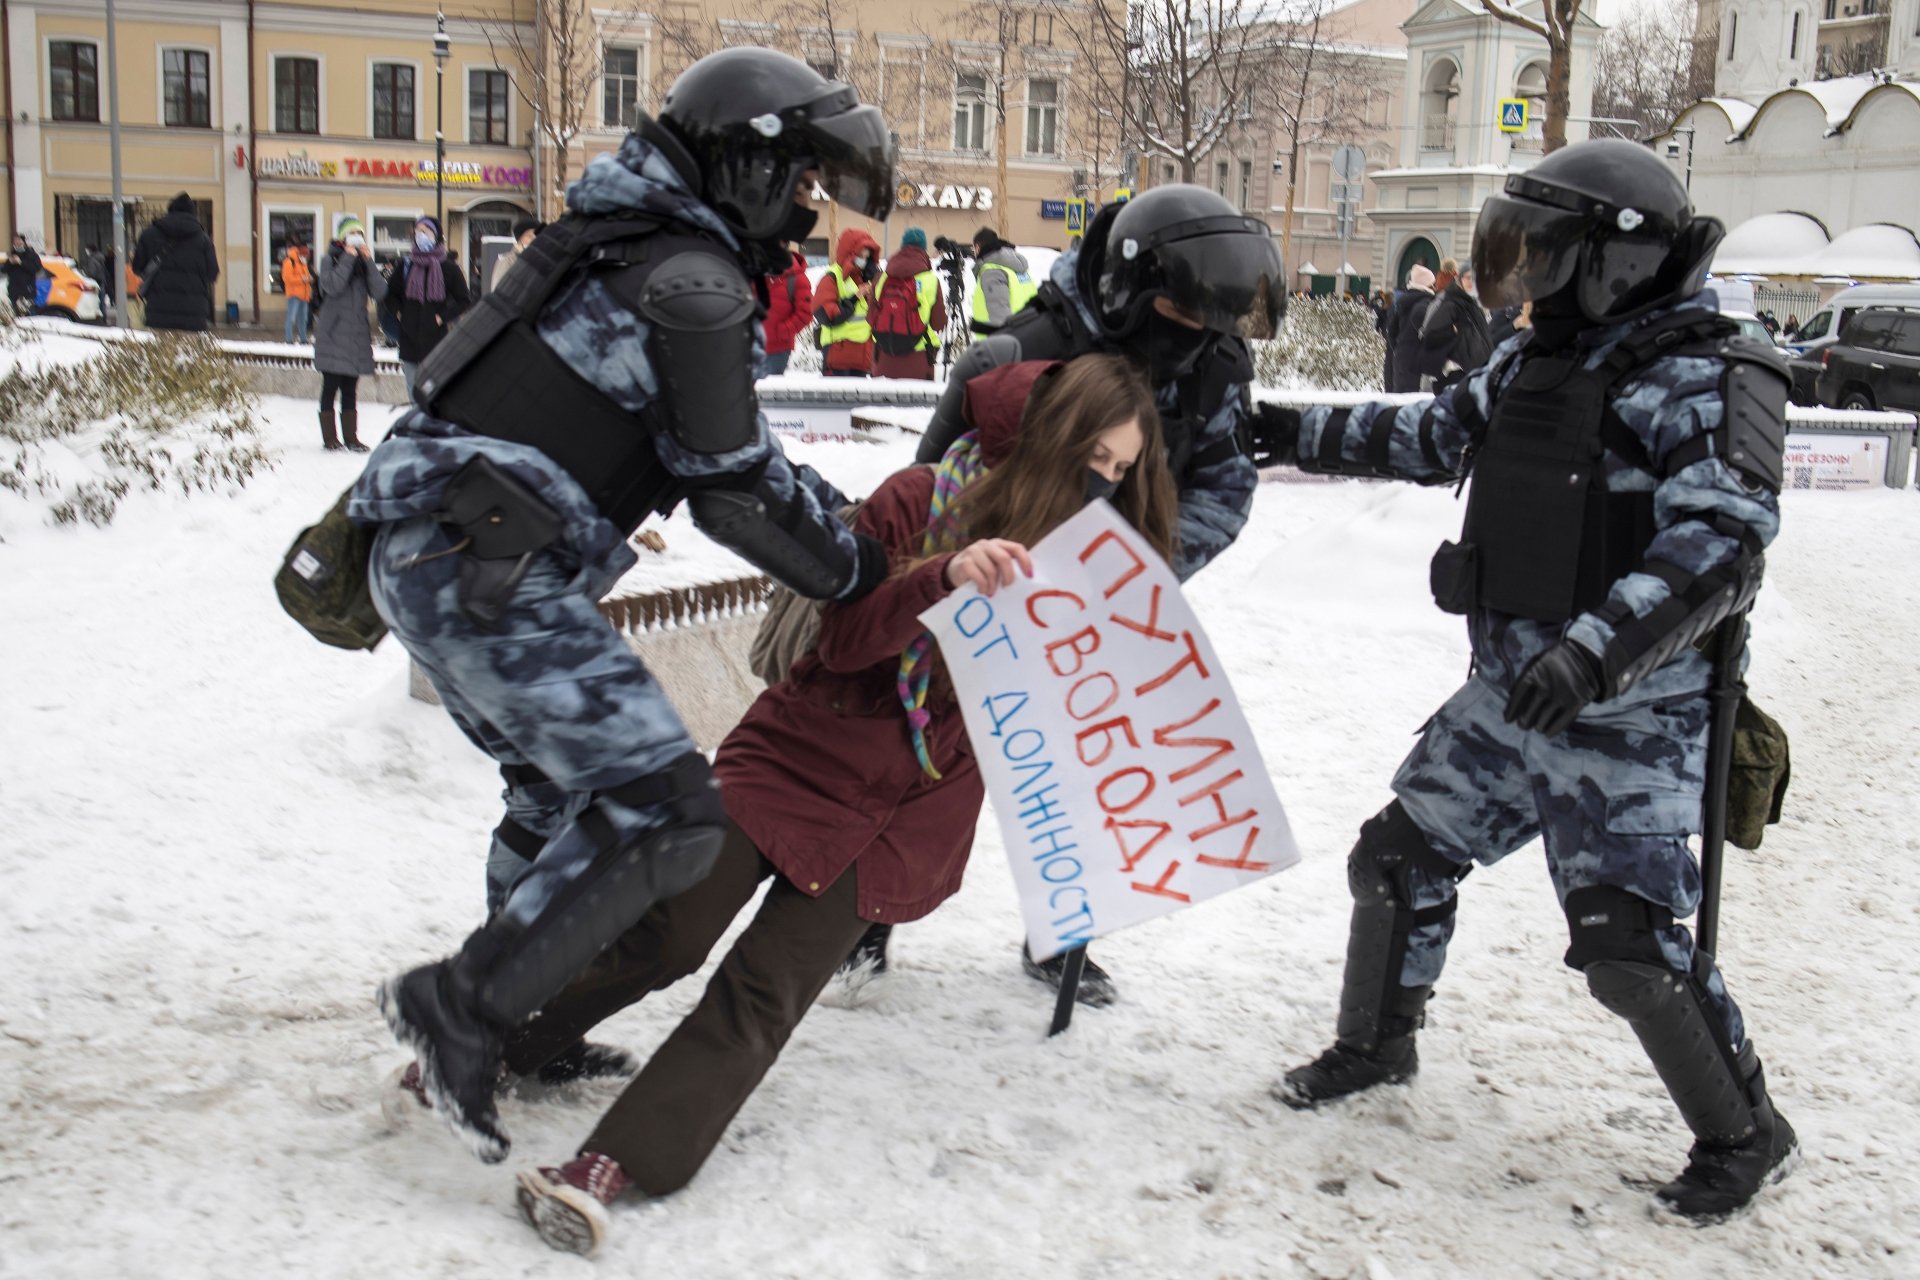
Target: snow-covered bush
(806, 351)
(152, 414)
(1326, 343)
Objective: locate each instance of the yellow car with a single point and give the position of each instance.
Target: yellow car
(68, 293)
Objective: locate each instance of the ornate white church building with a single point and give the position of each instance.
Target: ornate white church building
(1783, 135)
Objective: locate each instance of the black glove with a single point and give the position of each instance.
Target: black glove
(1273, 435)
(871, 568)
(1554, 688)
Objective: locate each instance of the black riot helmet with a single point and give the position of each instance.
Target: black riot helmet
(1605, 221)
(753, 121)
(1188, 245)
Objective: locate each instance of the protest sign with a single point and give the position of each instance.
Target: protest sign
(1124, 776)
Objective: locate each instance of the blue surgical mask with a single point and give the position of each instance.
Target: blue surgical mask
(423, 242)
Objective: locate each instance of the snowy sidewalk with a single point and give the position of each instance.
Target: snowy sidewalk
(216, 836)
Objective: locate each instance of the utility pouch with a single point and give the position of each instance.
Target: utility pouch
(502, 525)
(1454, 577)
(1757, 780)
(322, 583)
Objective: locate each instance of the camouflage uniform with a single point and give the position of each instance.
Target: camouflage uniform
(1615, 797)
(553, 693)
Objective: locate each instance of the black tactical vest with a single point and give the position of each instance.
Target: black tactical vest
(1544, 537)
(493, 375)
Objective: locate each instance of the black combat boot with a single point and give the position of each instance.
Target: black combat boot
(329, 437)
(1360, 1061)
(1720, 1179)
(434, 1011)
(868, 959)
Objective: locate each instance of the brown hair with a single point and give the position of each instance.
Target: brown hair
(1042, 482)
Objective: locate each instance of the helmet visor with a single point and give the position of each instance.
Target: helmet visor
(1231, 282)
(1523, 250)
(855, 154)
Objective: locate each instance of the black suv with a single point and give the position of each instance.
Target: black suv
(1875, 365)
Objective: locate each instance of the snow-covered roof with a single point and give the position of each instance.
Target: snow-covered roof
(1771, 244)
(1878, 251)
(1739, 114)
(1795, 245)
(1308, 269)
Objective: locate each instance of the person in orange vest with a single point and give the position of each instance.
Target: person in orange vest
(296, 278)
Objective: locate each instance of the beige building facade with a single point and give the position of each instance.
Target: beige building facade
(274, 118)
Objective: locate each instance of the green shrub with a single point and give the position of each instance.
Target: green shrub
(145, 414)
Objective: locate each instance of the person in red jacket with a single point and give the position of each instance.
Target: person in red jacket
(789, 312)
(841, 302)
(909, 313)
(857, 809)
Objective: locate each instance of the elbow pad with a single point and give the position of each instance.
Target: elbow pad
(777, 535)
(1694, 606)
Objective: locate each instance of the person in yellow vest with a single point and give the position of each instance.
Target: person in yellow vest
(841, 302)
(909, 314)
(1002, 286)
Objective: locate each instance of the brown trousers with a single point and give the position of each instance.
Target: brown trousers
(670, 1118)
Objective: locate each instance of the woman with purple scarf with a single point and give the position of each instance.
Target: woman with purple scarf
(427, 295)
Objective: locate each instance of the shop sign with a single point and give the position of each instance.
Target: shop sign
(459, 173)
(1053, 210)
(916, 195)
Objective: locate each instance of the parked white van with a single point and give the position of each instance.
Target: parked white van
(1822, 328)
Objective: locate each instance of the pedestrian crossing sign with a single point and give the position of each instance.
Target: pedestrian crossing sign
(1513, 115)
(1076, 216)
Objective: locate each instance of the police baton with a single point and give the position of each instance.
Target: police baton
(1724, 695)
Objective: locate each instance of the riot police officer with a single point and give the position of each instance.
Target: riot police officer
(1178, 280)
(1625, 462)
(609, 376)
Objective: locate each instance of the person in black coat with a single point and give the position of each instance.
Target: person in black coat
(23, 275)
(427, 294)
(1454, 338)
(176, 265)
(1403, 330)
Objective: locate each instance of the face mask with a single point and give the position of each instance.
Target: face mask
(423, 242)
(356, 240)
(798, 226)
(1557, 320)
(1098, 486)
(1172, 349)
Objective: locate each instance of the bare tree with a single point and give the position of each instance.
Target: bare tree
(1311, 91)
(561, 57)
(825, 34)
(1184, 71)
(985, 70)
(1646, 70)
(1555, 25)
(682, 35)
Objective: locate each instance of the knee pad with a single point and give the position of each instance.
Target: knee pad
(1608, 923)
(1389, 848)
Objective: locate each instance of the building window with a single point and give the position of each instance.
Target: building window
(1437, 107)
(1220, 177)
(827, 67)
(1041, 29)
(296, 95)
(74, 73)
(487, 107)
(282, 226)
(1531, 87)
(1733, 33)
(186, 85)
(1043, 117)
(1793, 39)
(620, 88)
(393, 101)
(1246, 184)
(1833, 10)
(392, 237)
(970, 112)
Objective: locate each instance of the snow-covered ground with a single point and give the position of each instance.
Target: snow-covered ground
(216, 836)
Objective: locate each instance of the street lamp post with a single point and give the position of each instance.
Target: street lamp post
(1673, 153)
(441, 47)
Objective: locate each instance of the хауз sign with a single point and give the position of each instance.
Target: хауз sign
(1125, 778)
(459, 173)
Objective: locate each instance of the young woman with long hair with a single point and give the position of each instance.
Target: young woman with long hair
(850, 783)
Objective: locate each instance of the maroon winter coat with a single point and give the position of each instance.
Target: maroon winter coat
(789, 306)
(821, 772)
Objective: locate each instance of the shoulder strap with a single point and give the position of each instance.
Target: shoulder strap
(564, 244)
(1676, 335)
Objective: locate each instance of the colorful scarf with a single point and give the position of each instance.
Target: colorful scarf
(960, 467)
(426, 280)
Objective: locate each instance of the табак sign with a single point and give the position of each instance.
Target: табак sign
(1125, 778)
